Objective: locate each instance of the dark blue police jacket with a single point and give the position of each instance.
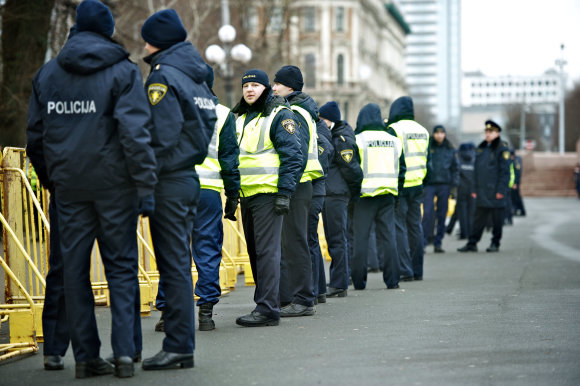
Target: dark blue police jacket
(300, 99)
(287, 144)
(344, 172)
(442, 167)
(229, 156)
(182, 109)
(87, 121)
(466, 158)
(492, 173)
(325, 154)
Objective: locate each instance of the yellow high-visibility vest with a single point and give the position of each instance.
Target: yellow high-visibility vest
(379, 158)
(259, 161)
(415, 139)
(313, 168)
(209, 170)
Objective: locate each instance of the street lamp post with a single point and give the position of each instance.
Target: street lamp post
(561, 63)
(223, 56)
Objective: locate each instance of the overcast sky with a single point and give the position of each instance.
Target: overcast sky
(520, 37)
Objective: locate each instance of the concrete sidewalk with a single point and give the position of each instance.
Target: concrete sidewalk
(510, 318)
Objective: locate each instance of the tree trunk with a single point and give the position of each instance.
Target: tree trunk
(25, 26)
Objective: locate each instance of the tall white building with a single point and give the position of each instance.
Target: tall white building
(433, 63)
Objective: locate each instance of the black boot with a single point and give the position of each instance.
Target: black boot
(206, 323)
(160, 326)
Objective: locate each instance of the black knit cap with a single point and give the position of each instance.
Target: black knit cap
(330, 111)
(290, 76)
(163, 29)
(94, 16)
(256, 75)
(491, 125)
(439, 129)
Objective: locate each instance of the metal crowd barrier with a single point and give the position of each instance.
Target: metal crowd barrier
(26, 229)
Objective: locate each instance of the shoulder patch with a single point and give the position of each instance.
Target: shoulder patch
(346, 155)
(156, 92)
(289, 125)
(320, 150)
(506, 155)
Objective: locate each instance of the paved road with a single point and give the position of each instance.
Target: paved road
(511, 318)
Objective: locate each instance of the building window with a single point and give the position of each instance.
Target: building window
(339, 19)
(309, 19)
(340, 69)
(310, 70)
(276, 19)
(250, 22)
(345, 111)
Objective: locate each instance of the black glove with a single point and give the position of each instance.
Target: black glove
(230, 209)
(147, 205)
(281, 205)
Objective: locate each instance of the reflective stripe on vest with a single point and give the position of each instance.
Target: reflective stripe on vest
(313, 168)
(379, 154)
(259, 161)
(209, 170)
(415, 139)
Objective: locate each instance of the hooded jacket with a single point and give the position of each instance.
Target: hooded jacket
(491, 173)
(325, 154)
(402, 109)
(298, 98)
(369, 118)
(287, 144)
(344, 172)
(87, 121)
(466, 158)
(182, 108)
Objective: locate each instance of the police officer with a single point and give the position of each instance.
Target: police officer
(184, 117)
(343, 182)
(517, 201)
(415, 139)
(491, 177)
(442, 176)
(270, 165)
(325, 154)
(88, 108)
(383, 166)
(465, 205)
(219, 169)
(296, 288)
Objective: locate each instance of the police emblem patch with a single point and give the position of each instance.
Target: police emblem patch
(506, 154)
(289, 125)
(346, 155)
(156, 92)
(320, 150)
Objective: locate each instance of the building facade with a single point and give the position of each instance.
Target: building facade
(350, 51)
(433, 59)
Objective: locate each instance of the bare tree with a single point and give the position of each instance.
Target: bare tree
(25, 26)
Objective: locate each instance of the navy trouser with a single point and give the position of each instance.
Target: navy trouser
(171, 226)
(335, 230)
(410, 233)
(54, 327)
(263, 231)
(480, 221)
(442, 194)
(112, 220)
(318, 275)
(465, 209)
(374, 258)
(379, 209)
(206, 241)
(296, 265)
